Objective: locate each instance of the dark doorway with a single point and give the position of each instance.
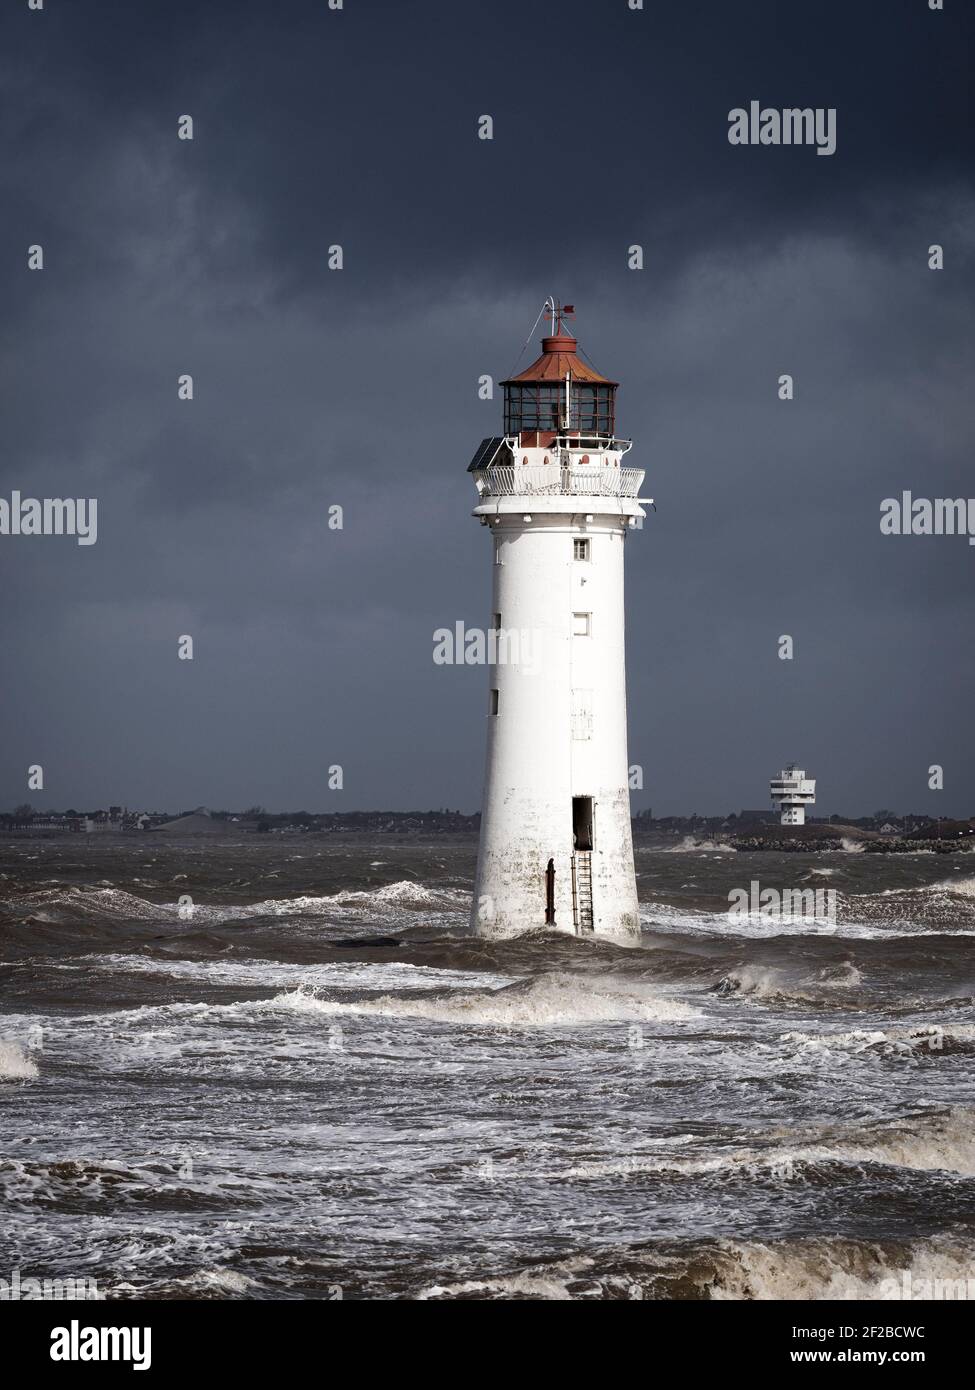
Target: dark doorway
(582, 822)
(550, 894)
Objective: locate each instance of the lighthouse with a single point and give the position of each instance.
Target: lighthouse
(556, 850)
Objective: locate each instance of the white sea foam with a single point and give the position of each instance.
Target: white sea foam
(549, 1282)
(824, 1268)
(218, 1281)
(765, 982)
(756, 925)
(106, 903)
(917, 1040)
(405, 891)
(404, 895)
(16, 1063)
(960, 887)
(748, 924)
(945, 1142)
(547, 1000)
(689, 844)
(939, 1142)
(835, 1269)
(370, 975)
(115, 904)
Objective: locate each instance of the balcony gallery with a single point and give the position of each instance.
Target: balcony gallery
(558, 478)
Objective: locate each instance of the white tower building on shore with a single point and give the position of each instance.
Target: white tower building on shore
(556, 848)
(792, 791)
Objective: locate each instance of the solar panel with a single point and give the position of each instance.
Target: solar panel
(487, 452)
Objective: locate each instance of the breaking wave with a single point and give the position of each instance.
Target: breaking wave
(765, 982)
(547, 1000)
(406, 893)
(943, 1141)
(958, 887)
(925, 1040)
(400, 975)
(690, 843)
(840, 1269)
(823, 1268)
(72, 905)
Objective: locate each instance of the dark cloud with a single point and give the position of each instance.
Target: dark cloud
(359, 388)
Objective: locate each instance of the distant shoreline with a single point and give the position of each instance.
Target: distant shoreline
(808, 839)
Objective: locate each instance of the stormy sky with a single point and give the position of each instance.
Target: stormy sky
(358, 388)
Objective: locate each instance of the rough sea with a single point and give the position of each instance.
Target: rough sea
(315, 1082)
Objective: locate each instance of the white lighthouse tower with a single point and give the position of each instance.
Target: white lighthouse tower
(556, 849)
(793, 791)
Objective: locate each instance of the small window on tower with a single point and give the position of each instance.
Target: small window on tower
(580, 549)
(497, 622)
(581, 624)
(493, 703)
(497, 551)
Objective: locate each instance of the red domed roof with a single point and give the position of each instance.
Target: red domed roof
(558, 357)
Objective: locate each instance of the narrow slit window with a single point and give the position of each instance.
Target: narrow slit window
(493, 703)
(581, 624)
(497, 622)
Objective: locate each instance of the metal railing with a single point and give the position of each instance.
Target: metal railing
(553, 480)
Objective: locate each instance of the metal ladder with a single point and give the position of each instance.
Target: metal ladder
(582, 890)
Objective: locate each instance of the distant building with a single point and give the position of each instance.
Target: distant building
(792, 791)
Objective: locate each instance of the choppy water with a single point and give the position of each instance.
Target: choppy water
(322, 1080)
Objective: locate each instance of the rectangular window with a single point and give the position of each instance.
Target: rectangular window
(497, 551)
(581, 624)
(580, 549)
(493, 703)
(497, 622)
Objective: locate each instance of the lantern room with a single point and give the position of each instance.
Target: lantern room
(559, 395)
